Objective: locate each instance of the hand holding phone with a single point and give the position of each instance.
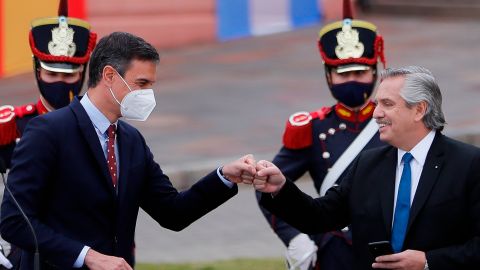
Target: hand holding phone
(380, 248)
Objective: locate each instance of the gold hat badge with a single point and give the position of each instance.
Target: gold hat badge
(349, 45)
(62, 39)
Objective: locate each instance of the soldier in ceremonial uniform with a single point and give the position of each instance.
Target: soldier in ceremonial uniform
(61, 47)
(314, 141)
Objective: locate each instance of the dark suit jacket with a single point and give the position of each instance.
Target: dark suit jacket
(444, 218)
(59, 176)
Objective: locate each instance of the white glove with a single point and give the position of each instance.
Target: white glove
(301, 253)
(5, 262)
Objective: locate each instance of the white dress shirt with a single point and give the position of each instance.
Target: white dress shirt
(419, 153)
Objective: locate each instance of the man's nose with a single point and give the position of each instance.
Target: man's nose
(377, 113)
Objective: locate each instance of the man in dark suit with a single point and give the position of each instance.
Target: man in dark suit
(421, 193)
(82, 203)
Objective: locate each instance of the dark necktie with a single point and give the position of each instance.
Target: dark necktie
(111, 160)
(402, 208)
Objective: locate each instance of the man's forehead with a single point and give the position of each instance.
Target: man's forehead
(142, 71)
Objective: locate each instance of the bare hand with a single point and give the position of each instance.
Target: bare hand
(406, 260)
(269, 178)
(98, 261)
(241, 170)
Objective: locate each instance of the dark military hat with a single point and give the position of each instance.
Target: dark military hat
(62, 44)
(350, 45)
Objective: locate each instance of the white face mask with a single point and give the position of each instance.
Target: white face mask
(136, 105)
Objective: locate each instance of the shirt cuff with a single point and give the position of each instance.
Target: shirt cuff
(225, 181)
(81, 258)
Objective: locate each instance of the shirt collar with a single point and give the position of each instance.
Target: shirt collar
(99, 120)
(420, 151)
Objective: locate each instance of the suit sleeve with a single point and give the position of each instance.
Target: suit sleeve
(312, 216)
(293, 164)
(33, 163)
(466, 255)
(176, 210)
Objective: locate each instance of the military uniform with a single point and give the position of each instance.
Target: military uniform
(314, 141)
(59, 45)
(12, 123)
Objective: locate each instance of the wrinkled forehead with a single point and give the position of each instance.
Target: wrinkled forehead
(390, 88)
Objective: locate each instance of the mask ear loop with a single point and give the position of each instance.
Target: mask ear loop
(113, 95)
(123, 80)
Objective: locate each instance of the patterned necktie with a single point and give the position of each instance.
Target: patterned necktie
(402, 208)
(111, 160)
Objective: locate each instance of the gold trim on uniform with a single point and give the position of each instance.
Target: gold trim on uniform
(339, 24)
(54, 20)
(344, 112)
(367, 109)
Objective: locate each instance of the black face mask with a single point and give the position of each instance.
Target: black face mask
(352, 94)
(59, 94)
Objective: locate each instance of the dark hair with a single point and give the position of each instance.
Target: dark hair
(118, 50)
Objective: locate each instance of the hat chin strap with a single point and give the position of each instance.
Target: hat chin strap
(46, 104)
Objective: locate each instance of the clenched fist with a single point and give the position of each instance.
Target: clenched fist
(269, 178)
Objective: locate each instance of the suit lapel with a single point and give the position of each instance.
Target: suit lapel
(430, 173)
(124, 152)
(90, 135)
(387, 188)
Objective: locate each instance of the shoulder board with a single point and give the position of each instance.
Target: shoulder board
(298, 131)
(8, 126)
(25, 110)
(6, 113)
(322, 113)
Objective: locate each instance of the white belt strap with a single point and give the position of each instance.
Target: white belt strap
(348, 156)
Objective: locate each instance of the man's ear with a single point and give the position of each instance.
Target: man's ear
(108, 74)
(420, 110)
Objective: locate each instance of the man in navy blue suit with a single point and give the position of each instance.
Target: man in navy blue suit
(81, 174)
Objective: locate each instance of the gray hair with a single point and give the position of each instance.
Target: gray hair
(420, 85)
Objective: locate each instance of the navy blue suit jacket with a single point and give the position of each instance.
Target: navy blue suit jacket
(59, 176)
(444, 218)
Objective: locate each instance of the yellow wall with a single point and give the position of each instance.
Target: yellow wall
(17, 15)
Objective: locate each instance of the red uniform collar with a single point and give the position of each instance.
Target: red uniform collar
(41, 109)
(348, 114)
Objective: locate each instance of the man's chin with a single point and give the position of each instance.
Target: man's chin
(384, 137)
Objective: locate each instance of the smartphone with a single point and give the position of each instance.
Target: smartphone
(380, 248)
